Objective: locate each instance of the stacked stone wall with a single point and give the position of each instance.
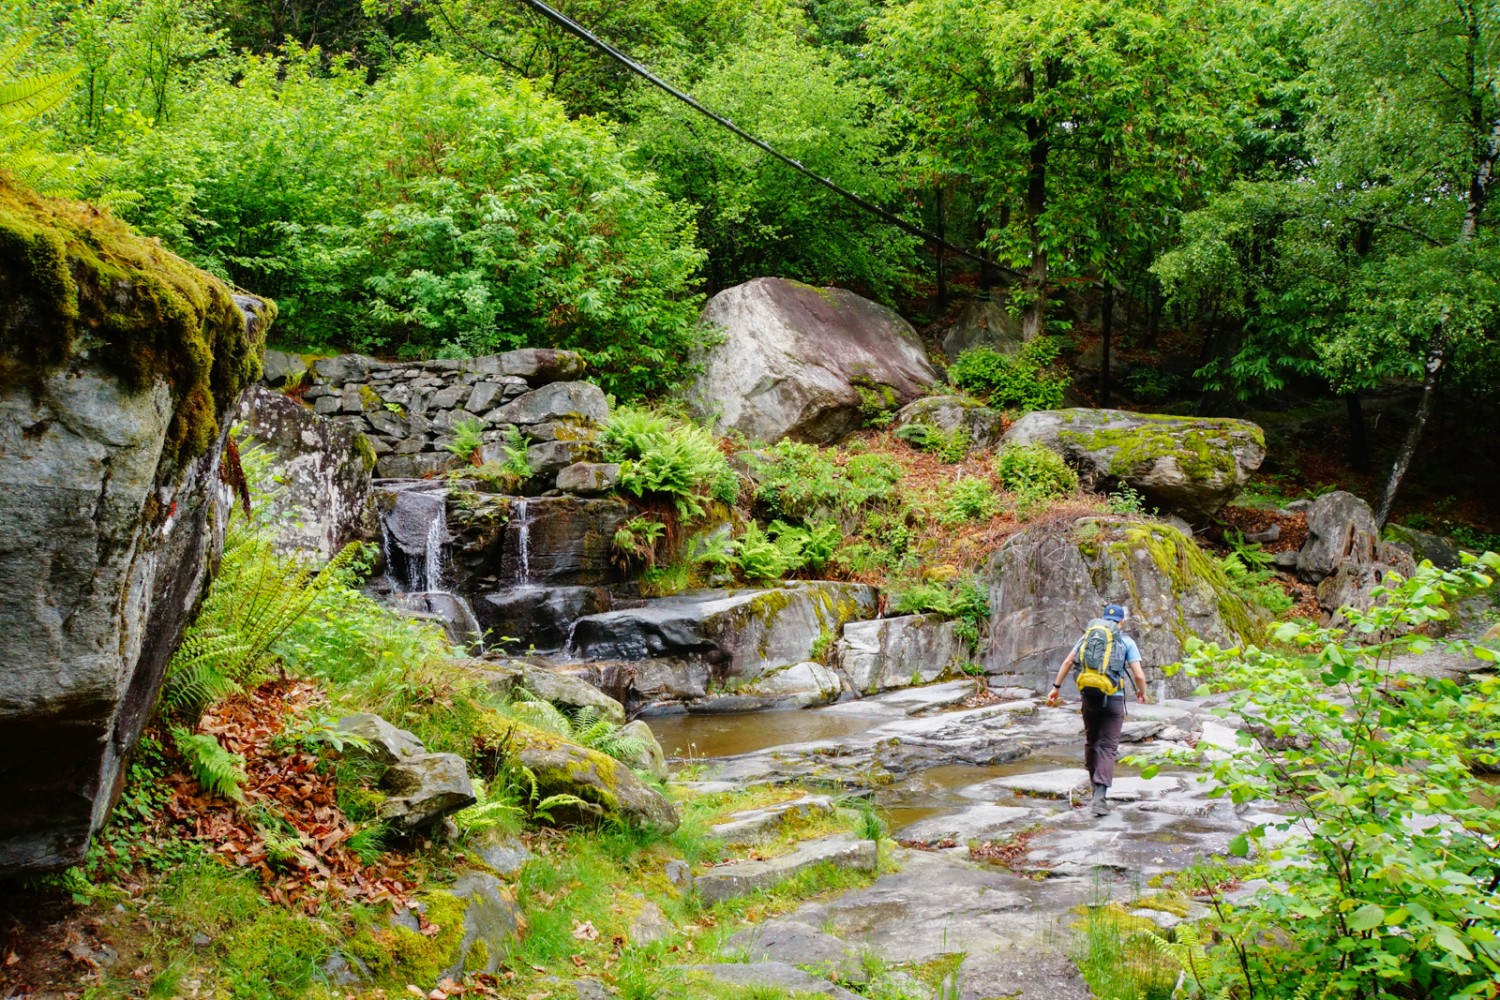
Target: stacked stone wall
(411, 411)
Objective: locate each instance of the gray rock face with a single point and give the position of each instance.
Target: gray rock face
(387, 744)
(801, 684)
(791, 355)
(754, 825)
(493, 923)
(589, 478)
(576, 402)
(105, 539)
(1440, 551)
(897, 652)
(949, 413)
(570, 692)
(1190, 465)
(1048, 581)
(800, 945)
(983, 322)
(743, 633)
(651, 758)
(425, 788)
(537, 616)
(323, 469)
(841, 850)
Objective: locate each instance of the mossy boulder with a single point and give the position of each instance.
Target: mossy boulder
(952, 415)
(118, 365)
(1047, 582)
(606, 788)
(1187, 465)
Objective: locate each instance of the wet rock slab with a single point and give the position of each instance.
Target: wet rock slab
(729, 881)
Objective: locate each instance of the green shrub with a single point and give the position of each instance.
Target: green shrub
(667, 457)
(1023, 381)
(966, 600)
(467, 440)
(1384, 873)
(969, 500)
(1125, 499)
(950, 446)
(779, 550)
(1035, 470)
(802, 481)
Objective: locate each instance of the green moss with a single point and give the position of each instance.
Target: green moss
(1199, 446)
(76, 284)
(394, 952)
(365, 450)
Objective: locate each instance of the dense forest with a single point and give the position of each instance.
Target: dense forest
(1303, 188)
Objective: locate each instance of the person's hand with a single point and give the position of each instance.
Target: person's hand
(1052, 699)
(1140, 696)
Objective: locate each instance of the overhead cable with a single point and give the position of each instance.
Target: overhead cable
(572, 27)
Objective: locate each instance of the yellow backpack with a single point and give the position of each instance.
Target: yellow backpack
(1101, 657)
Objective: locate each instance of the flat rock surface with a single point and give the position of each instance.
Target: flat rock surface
(728, 881)
(774, 974)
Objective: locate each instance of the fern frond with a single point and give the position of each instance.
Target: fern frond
(218, 771)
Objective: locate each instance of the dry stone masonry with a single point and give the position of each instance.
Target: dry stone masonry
(411, 411)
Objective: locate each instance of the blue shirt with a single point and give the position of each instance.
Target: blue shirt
(1132, 655)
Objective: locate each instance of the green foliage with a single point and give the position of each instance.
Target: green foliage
(26, 96)
(1256, 583)
(802, 481)
(217, 770)
(969, 500)
(468, 438)
(256, 599)
(1152, 385)
(965, 599)
(586, 726)
(433, 211)
(1121, 957)
(635, 541)
(1125, 500)
(950, 446)
(507, 476)
(663, 456)
(1024, 381)
(1035, 470)
(1384, 882)
(778, 551)
(756, 216)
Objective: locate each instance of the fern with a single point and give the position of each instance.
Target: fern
(587, 726)
(26, 97)
(256, 598)
(218, 771)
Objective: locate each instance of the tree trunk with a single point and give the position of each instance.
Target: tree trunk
(1359, 442)
(1155, 302)
(1033, 318)
(1435, 353)
(1106, 331)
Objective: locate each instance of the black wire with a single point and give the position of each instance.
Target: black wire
(578, 30)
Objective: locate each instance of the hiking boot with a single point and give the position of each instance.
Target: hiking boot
(1101, 804)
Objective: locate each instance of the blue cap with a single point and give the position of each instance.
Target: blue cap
(1114, 613)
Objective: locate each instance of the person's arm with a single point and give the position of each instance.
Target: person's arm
(1062, 675)
(1139, 673)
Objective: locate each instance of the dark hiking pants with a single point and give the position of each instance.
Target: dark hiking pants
(1102, 719)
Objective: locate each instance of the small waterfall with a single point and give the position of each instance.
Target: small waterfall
(413, 537)
(523, 543)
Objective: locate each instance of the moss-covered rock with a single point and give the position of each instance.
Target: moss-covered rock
(1047, 583)
(1189, 465)
(607, 789)
(77, 286)
(118, 363)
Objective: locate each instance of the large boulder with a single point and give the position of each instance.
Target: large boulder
(740, 634)
(118, 365)
(794, 361)
(1188, 465)
(983, 322)
(897, 652)
(1047, 582)
(322, 469)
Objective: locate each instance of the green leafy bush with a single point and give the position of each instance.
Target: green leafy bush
(965, 600)
(950, 446)
(1023, 381)
(779, 550)
(1035, 470)
(435, 211)
(1387, 874)
(969, 500)
(804, 482)
(467, 440)
(665, 456)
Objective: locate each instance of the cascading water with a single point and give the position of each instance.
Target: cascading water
(523, 544)
(414, 538)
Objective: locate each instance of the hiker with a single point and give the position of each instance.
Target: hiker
(1102, 654)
